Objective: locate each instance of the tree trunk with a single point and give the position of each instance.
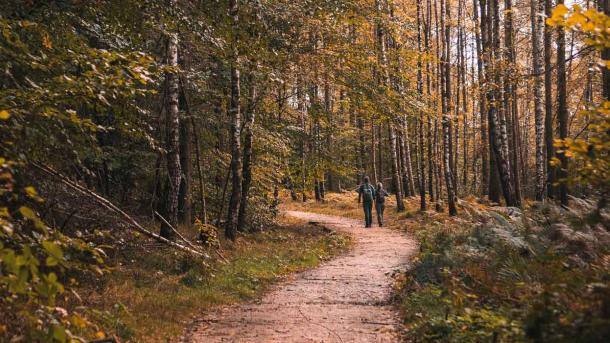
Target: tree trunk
(447, 110)
(537, 8)
(173, 140)
(463, 84)
(429, 139)
(479, 37)
(406, 148)
(247, 159)
(439, 84)
(373, 155)
(380, 156)
(185, 195)
(488, 72)
(510, 99)
(400, 206)
(606, 57)
(204, 210)
(498, 134)
(361, 148)
(235, 116)
(562, 110)
(548, 102)
(421, 175)
(328, 107)
(301, 109)
(437, 169)
(402, 165)
(322, 188)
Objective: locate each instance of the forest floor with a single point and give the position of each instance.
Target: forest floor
(152, 293)
(347, 299)
(425, 275)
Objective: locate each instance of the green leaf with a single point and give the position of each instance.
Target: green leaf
(59, 333)
(51, 261)
(53, 250)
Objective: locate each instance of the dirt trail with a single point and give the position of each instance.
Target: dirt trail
(344, 300)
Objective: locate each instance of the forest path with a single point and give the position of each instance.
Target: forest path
(346, 299)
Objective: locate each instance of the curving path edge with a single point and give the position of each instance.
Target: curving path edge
(346, 299)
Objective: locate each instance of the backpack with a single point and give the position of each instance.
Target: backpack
(380, 197)
(367, 193)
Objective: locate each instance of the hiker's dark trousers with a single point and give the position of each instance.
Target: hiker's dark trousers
(379, 208)
(368, 213)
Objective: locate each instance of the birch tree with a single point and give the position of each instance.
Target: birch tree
(173, 137)
(537, 21)
(235, 131)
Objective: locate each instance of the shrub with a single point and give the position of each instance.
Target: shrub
(35, 261)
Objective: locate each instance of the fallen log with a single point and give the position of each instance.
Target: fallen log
(110, 206)
(176, 231)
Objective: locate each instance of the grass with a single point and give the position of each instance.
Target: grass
(152, 296)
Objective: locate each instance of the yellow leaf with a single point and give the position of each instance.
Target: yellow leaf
(78, 321)
(555, 162)
(46, 41)
(558, 16)
(31, 191)
(560, 10)
(27, 213)
(100, 335)
(4, 115)
(576, 19)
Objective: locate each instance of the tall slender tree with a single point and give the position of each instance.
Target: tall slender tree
(510, 100)
(605, 7)
(185, 201)
(420, 120)
(235, 117)
(562, 110)
(497, 127)
(396, 184)
(248, 134)
(447, 108)
(536, 10)
(548, 102)
(479, 38)
(173, 137)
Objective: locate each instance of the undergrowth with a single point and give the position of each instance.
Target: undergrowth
(502, 275)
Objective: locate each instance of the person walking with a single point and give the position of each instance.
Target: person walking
(366, 194)
(380, 195)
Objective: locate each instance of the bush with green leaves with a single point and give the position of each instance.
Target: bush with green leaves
(508, 279)
(36, 267)
(61, 100)
(64, 102)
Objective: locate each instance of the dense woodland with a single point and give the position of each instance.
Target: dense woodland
(150, 116)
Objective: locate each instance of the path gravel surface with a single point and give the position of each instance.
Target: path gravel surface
(346, 299)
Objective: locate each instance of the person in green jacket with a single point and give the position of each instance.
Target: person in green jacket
(366, 194)
(380, 195)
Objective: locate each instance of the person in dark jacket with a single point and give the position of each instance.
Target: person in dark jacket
(381, 194)
(366, 194)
